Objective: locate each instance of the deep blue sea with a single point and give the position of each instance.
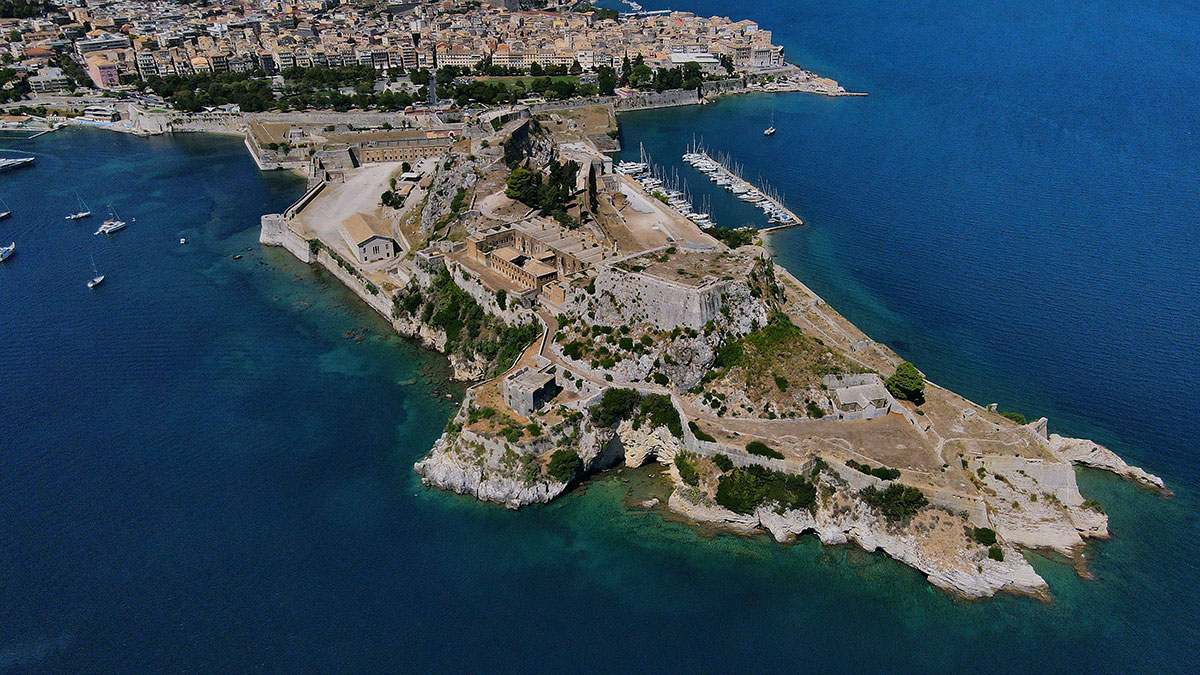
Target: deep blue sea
(206, 462)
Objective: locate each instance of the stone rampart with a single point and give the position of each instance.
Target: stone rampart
(275, 232)
(664, 304)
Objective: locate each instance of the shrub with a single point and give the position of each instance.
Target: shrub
(762, 449)
(728, 355)
(897, 503)
(502, 298)
(659, 378)
(623, 404)
(686, 471)
(984, 535)
(996, 553)
(814, 411)
(723, 462)
(626, 343)
(660, 412)
(781, 382)
(459, 200)
(700, 434)
(878, 471)
(614, 406)
(1014, 416)
(563, 465)
(907, 383)
(574, 349)
(744, 489)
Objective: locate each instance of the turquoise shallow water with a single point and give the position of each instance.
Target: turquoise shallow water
(201, 471)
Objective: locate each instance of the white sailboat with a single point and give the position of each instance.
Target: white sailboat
(112, 224)
(83, 211)
(769, 131)
(97, 278)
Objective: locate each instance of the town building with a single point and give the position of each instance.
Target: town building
(369, 238)
(50, 80)
(102, 71)
(404, 149)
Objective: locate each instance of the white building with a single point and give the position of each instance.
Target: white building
(859, 397)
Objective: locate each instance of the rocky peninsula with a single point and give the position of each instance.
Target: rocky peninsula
(604, 327)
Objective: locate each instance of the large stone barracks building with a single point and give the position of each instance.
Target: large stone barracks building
(534, 253)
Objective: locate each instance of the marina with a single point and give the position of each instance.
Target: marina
(669, 189)
(672, 190)
(724, 173)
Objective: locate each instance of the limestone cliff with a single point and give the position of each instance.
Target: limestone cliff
(1088, 453)
(934, 541)
(512, 474)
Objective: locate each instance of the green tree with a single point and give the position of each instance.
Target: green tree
(607, 80)
(563, 465)
(897, 502)
(523, 185)
(641, 76)
(419, 77)
(907, 383)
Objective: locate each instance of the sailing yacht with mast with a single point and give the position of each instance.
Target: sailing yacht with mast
(769, 131)
(6, 251)
(83, 211)
(97, 278)
(6, 212)
(112, 224)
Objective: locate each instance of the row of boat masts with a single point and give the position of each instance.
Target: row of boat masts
(669, 185)
(724, 172)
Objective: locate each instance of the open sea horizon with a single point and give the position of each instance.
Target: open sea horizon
(208, 461)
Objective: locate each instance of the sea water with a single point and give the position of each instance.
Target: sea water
(207, 460)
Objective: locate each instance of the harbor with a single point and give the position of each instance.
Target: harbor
(724, 172)
(670, 189)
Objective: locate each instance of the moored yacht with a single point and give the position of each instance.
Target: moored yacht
(112, 224)
(6, 251)
(97, 278)
(7, 163)
(83, 211)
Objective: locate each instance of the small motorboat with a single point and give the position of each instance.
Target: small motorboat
(6, 251)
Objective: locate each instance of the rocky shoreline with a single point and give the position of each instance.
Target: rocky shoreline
(936, 542)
